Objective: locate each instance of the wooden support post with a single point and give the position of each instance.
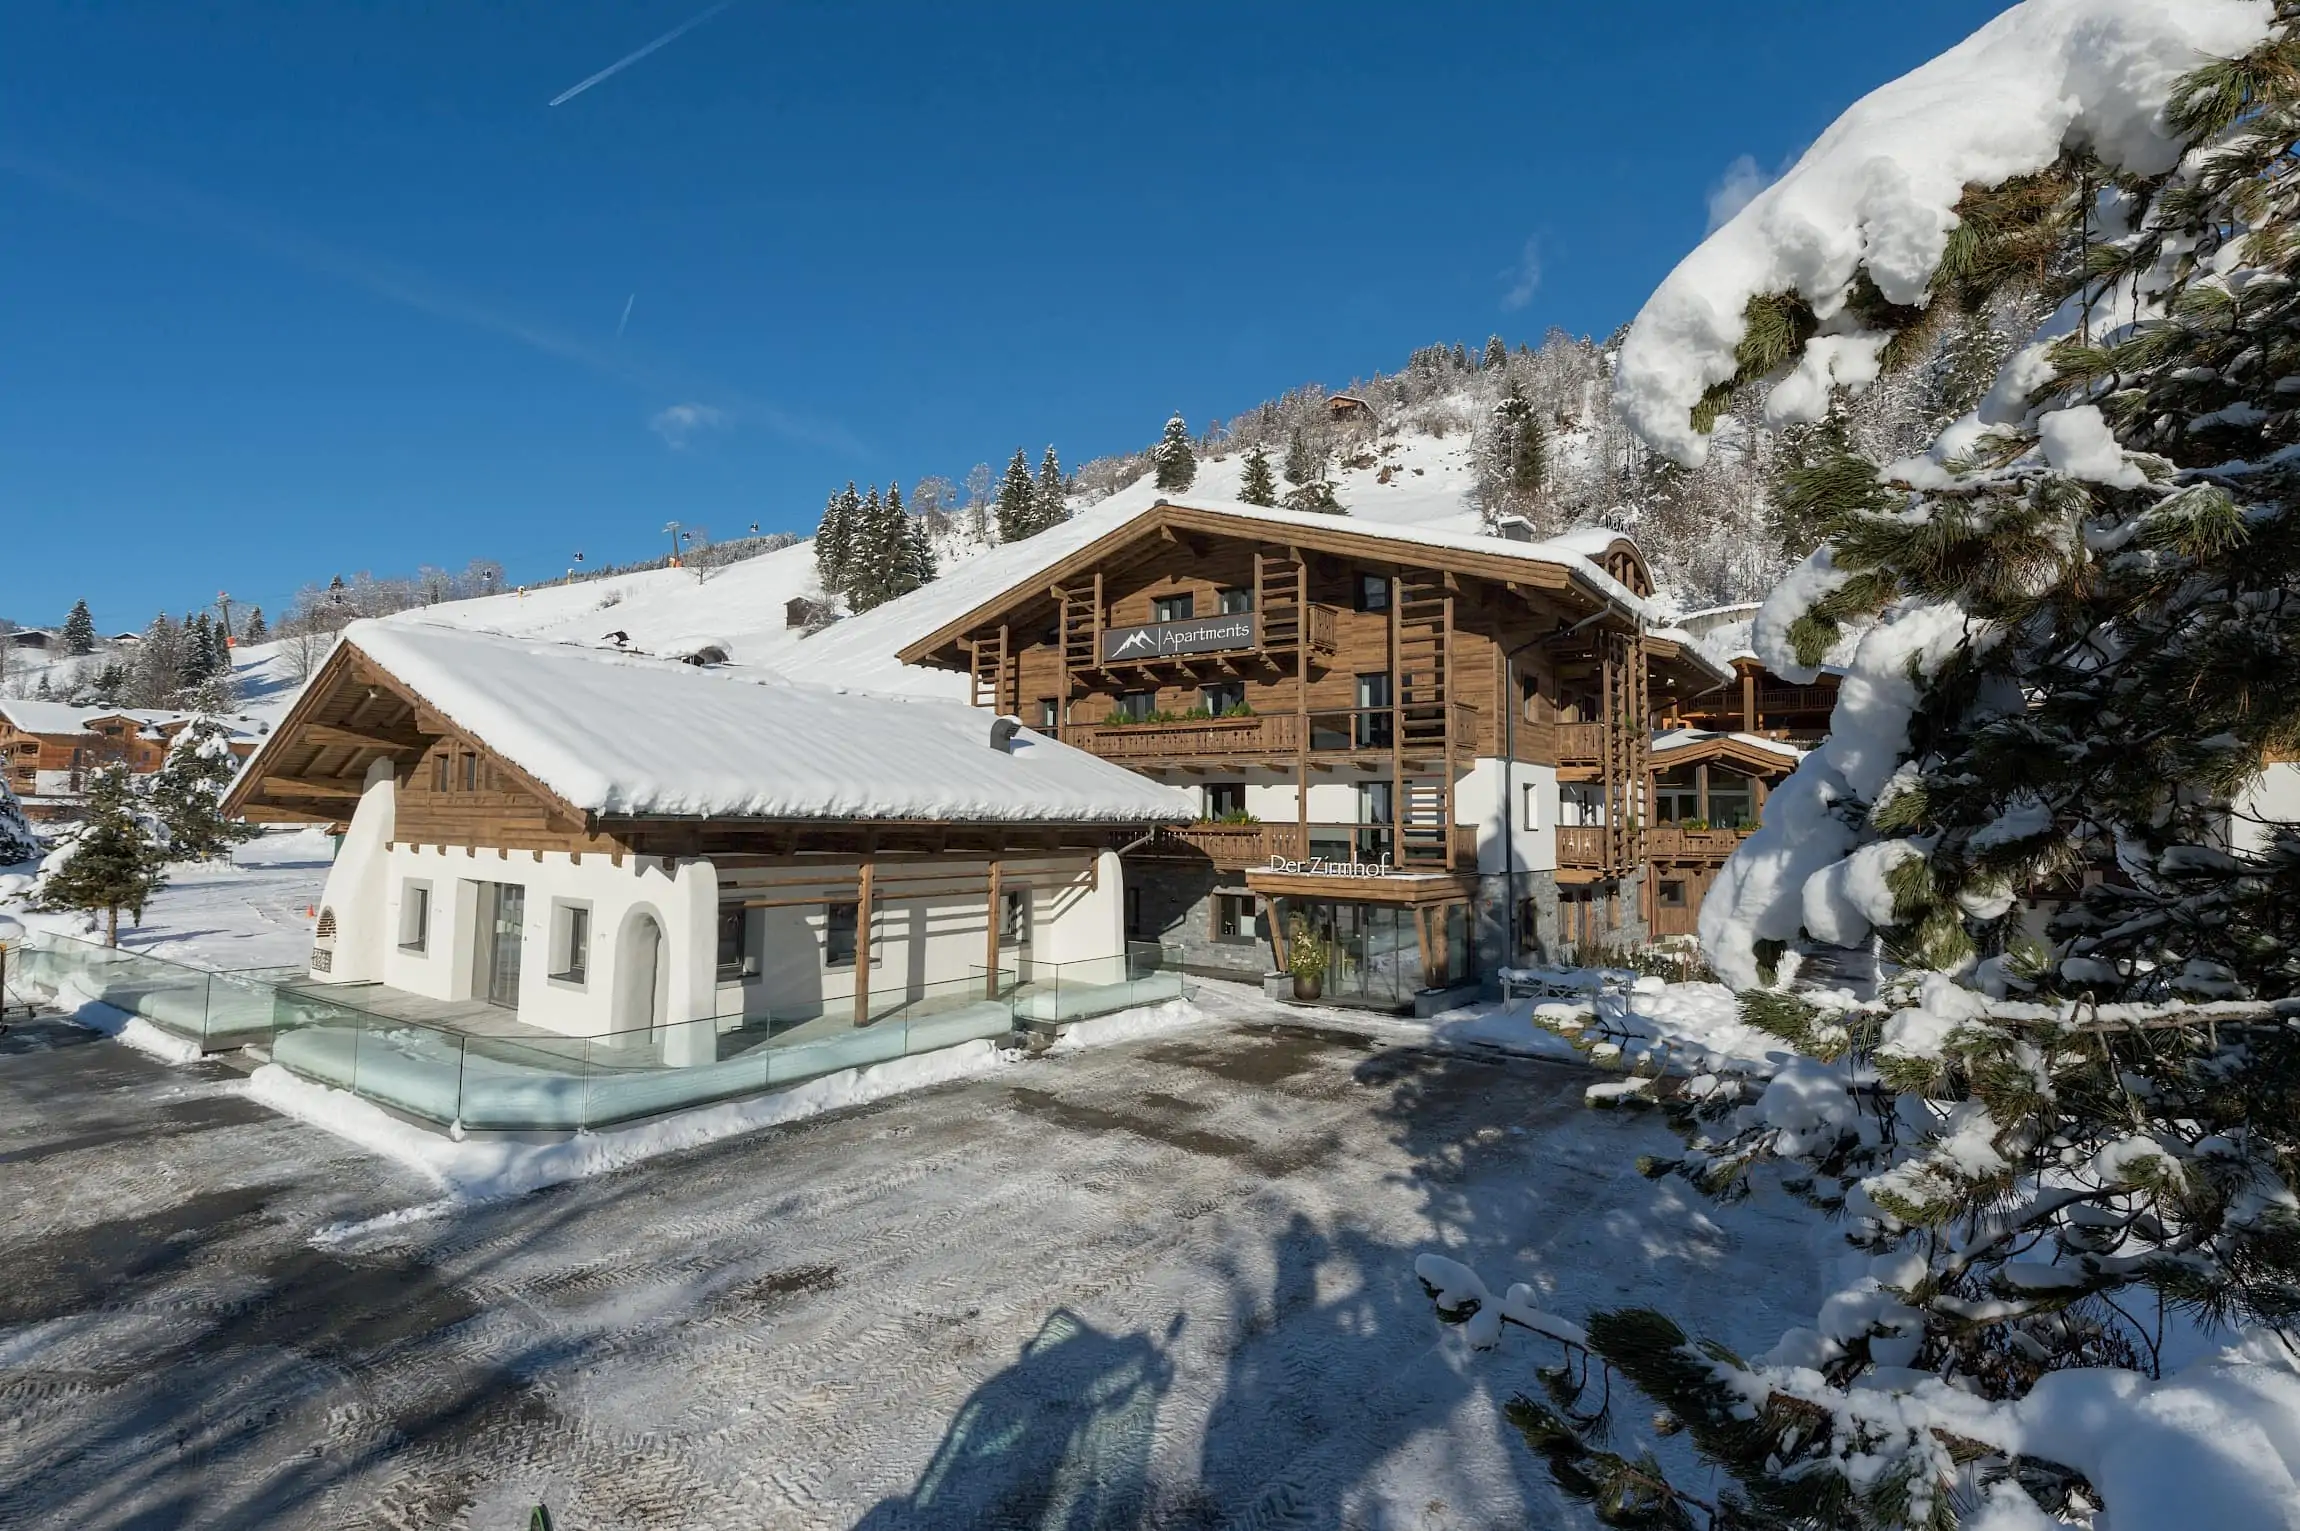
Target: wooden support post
(1700, 793)
(990, 942)
(862, 946)
(1748, 701)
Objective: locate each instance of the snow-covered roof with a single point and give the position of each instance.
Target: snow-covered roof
(1877, 191)
(35, 717)
(625, 734)
(1577, 550)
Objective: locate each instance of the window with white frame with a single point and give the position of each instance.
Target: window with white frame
(415, 916)
(570, 942)
(1531, 817)
(1014, 918)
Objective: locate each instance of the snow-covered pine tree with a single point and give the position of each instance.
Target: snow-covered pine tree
(1053, 493)
(1176, 465)
(834, 539)
(186, 794)
(112, 863)
(2070, 634)
(1496, 352)
(918, 561)
(1257, 485)
(1304, 464)
(79, 631)
(256, 630)
(1017, 500)
(18, 841)
(869, 562)
(155, 681)
(196, 655)
(220, 651)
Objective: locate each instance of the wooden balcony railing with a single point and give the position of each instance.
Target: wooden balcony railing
(1274, 735)
(1585, 846)
(1580, 744)
(1796, 698)
(1581, 845)
(1192, 738)
(1245, 847)
(1667, 842)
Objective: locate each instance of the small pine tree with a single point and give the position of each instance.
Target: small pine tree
(1053, 492)
(1017, 500)
(1304, 465)
(834, 539)
(195, 655)
(219, 652)
(1258, 486)
(187, 794)
(256, 630)
(918, 563)
(1176, 464)
(113, 864)
(18, 841)
(866, 559)
(79, 631)
(1496, 352)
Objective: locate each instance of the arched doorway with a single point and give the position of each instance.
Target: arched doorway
(642, 975)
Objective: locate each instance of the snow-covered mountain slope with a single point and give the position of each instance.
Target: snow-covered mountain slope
(740, 608)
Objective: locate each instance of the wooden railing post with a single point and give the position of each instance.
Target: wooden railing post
(862, 946)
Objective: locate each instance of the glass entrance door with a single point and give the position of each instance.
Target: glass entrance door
(504, 930)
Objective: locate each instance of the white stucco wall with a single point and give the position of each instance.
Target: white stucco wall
(1478, 800)
(2274, 796)
(681, 895)
(356, 886)
(1077, 906)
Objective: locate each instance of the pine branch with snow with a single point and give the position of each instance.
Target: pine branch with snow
(2069, 635)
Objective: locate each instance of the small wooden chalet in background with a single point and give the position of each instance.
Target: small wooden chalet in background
(601, 842)
(47, 749)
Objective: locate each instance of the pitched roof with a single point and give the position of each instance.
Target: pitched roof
(1562, 561)
(628, 735)
(67, 718)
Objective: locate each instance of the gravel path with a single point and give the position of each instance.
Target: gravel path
(1165, 1283)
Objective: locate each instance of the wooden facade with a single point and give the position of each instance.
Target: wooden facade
(1341, 654)
(48, 767)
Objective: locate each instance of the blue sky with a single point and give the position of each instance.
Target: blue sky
(294, 289)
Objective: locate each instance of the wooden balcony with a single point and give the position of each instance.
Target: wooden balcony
(1273, 737)
(1176, 645)
(1585, 847)
(1245, 847)
(1580, 744)
(1581, 846)
(1668, 843)
(1240, 739)
(1773, 699)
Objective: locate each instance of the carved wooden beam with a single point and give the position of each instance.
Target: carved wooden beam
(310, 786)
(369, 738)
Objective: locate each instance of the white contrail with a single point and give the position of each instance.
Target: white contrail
(626, 319)
(621, 64)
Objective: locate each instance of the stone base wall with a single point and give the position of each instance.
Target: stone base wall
(1172, 903)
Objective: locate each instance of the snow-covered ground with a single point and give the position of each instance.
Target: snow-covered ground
(256, 910)
(1167, 1281)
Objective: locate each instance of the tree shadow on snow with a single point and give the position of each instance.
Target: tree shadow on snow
(1059, 1441)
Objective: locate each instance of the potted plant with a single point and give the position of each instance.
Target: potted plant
(1306, 957)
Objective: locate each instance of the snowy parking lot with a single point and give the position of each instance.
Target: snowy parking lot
(1160, 1283)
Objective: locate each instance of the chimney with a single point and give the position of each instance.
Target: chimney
(1514, 529)
(1002, 732)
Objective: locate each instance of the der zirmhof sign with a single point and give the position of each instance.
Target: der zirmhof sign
(1202, 635)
